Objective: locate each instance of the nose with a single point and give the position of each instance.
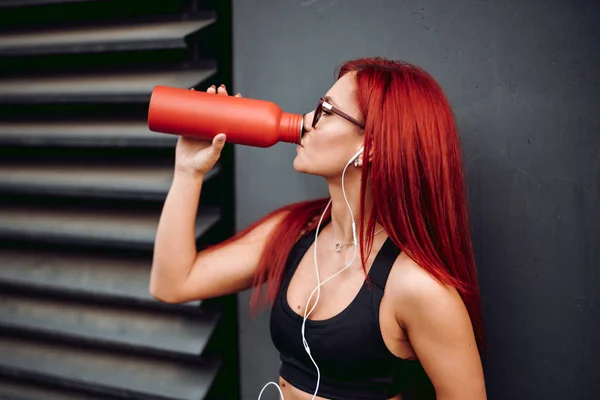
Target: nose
(308, 117)
(307, 123)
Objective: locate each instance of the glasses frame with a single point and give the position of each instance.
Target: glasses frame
(323, 104)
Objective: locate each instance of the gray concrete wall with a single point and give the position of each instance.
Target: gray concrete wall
(522, 79)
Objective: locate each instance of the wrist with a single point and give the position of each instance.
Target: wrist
(187, 174)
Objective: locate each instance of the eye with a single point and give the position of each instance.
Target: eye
(326, 112)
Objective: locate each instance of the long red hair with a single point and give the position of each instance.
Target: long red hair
(417, 178)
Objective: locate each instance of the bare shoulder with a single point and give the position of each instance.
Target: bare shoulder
(439, 330)
(416, 293)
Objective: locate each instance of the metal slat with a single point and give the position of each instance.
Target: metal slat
(79, 275)
(104, 181)
(157, 35)
(92, 134)
(123, 326)
(89, 134)
(116, 373)
(27, 391)
(124, 87)
(118, 229)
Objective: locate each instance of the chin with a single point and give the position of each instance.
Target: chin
(299, 165)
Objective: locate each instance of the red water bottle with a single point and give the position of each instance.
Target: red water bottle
(204, 115)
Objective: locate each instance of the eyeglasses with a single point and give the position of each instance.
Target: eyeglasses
(323, 104)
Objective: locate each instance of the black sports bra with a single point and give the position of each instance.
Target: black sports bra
(349, 349)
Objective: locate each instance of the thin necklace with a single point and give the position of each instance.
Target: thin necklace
(338, 246)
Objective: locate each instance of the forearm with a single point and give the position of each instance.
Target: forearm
(175, 245)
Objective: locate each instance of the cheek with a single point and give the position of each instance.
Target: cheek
(321, 150)
(325, 140)
(324, 158)
(325, 152)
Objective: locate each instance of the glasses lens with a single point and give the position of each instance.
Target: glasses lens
(318, 112)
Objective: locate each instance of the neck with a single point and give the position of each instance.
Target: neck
(341, 219)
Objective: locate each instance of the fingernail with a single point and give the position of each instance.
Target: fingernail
(223, 86)
(213, 86)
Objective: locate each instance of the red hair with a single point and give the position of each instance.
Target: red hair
(416, 172)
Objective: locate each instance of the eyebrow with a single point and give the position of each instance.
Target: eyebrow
(330, 100)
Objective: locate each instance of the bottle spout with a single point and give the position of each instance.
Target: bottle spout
(291, 128)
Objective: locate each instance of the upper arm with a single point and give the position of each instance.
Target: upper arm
(440, 331)
(230, 268)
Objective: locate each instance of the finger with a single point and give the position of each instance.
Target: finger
(218, 142)
(211, 89)
(192, 88)
(238, 95)
(222, 90)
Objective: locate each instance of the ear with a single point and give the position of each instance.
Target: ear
(371, 154)
(369, 158)
(358, 157)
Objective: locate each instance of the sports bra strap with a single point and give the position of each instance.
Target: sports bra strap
(382, 265)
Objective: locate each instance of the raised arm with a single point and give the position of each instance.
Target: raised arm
(180, 273)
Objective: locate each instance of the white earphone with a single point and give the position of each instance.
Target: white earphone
(358, 153)
(317, 289)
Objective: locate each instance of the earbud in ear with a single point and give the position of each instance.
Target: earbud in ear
(358, 153)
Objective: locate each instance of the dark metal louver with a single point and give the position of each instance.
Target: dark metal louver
(82, 182)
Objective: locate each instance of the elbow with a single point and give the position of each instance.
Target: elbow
(163, 297)
(163, 294)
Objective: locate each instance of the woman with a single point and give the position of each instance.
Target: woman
(402, 320)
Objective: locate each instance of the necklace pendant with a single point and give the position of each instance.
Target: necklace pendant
(337, 247)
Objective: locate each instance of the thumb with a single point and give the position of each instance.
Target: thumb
(218, 142)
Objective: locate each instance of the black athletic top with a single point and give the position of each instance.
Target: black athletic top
(354, 361)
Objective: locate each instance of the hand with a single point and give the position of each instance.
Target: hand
(197, 156)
